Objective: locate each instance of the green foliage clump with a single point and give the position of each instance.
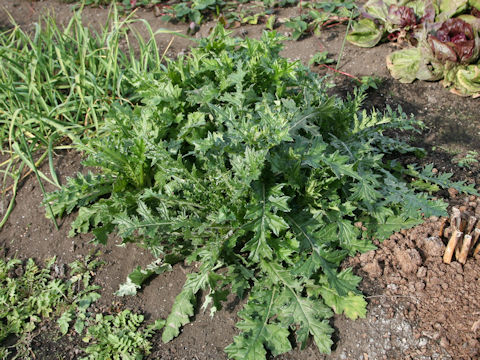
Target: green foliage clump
(467, 161)
(27, 295)
(57, 84)
(119, 337)
(80, 294)
(240, 160)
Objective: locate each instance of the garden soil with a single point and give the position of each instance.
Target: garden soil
(418, 307)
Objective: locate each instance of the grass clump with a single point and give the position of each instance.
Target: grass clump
(239, 160)
(56, 85)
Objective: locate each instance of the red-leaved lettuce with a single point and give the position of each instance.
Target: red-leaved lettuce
(455, 42)
(394, 19)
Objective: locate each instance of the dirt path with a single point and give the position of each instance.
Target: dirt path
(418, 307)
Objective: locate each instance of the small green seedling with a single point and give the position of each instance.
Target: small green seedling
(468, 160)
(320, 58)
(368, 82)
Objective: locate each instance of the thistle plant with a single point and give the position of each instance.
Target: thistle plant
(239, 160)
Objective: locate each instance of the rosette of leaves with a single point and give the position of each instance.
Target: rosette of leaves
(464, 80)
(239, 160)
(392, 19)
(455, 42)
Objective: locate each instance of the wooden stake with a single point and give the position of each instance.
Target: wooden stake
(459, 222)
(476, 236)
(455, 218)
(452, 244)
(477, 250)
(442, 227)
(462, 257)
(471, 223)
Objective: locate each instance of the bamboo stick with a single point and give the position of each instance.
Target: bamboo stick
(475, 237)
(477, 249)
(462, 256)
(455, 217)
(471, 223)
(452, 244)
(464, 221)
(442, 227)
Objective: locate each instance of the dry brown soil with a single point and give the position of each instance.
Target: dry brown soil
(419, 308)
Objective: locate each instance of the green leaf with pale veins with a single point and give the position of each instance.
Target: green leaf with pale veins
(257, 331)
(342, 282)
(308, 314)
(180, 314)
(353, 305)
(183, 308)
(265, 220)
(392, 224)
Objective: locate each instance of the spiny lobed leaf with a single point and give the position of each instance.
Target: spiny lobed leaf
(238, 159)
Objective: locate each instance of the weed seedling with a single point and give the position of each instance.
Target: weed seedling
(470, 158)
(321, 58)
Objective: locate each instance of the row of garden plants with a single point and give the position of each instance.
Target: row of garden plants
(442, 39)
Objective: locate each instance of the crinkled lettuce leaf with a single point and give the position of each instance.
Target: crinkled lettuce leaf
(449, 8)
(365, 33)
(376, 9)
(424, 9)
(404, 64)
(474, 3)
(402, 16)
(472, 20)
(463, 80)
(410, 64)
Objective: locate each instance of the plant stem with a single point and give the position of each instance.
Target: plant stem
(344, 40)
(29, 154)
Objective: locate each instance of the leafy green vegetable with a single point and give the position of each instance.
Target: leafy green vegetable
(455, 42)
(444, 53)
(395, 19)
(410, 64)
(449, 8)
(239, 160)
(365, 33)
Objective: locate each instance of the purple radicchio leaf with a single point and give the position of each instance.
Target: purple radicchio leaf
(402, 16)
(428, 13)
(455, 42)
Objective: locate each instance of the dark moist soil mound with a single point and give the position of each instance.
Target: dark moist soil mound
(439, 300)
